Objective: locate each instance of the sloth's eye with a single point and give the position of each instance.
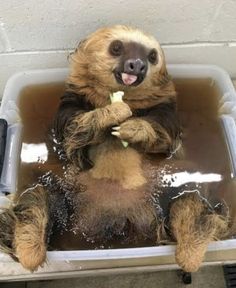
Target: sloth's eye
(116, 48)
(153, 57)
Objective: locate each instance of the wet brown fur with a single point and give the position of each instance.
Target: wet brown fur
(116, 185)
(193, 228)
(97, 121)
(23, 228)
(7, 227)
(126, 201)
(128, 173)
(30, 229)
(91, 73)
(91, 78)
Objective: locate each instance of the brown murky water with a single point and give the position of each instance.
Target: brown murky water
(38, 105)
(203, 140)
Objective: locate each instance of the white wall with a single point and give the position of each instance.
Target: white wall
(39, 33)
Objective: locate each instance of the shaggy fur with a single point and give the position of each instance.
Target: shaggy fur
(110, 191)
(24, 226)
(194, 226)
(85, 114)
(31, 213)
(7, 227)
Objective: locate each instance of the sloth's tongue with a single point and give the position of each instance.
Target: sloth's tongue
(128, 79)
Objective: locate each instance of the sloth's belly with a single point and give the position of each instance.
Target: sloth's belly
(107, 193)
(115, 163)
(103, 211)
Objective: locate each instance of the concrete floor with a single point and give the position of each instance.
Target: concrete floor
(207, 277)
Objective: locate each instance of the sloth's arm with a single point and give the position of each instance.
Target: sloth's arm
(157, 130)
(78, 124)
(71, 106)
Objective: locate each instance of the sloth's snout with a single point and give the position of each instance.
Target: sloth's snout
(131, 72)
(135, 67)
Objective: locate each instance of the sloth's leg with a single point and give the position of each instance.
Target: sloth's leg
(7, 227)
(31, 211)
(194, 227)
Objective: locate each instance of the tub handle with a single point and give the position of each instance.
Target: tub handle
(229, 128)
(11, 159)
(3, 140)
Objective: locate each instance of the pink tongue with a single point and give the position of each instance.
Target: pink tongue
(128, 79)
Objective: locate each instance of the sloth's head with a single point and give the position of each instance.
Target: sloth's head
(134, 61)
(118, 58)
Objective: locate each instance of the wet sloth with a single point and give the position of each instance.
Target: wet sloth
(111, 190)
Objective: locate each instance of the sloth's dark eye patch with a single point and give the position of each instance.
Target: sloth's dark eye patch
(153, 56)
(116, 48)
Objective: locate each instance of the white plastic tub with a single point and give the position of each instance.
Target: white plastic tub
(221, 251)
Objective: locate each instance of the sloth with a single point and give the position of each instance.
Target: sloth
(108, 190)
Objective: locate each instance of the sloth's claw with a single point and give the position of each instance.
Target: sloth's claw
(116, 128)
(115, 133)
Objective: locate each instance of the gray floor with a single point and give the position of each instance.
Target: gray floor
(207, 277)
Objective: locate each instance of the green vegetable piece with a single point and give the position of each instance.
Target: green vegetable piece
(117, 97)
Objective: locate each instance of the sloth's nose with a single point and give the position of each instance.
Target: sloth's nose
(135, 66)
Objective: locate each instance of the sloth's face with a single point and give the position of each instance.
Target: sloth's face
(133, 61)
(118, 58)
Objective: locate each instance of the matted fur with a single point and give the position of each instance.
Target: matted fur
(108, 184)
(194, 227)
(85, 113)
(91, 73)
(7, 227)
(112, 164)
(98, 120)
(138, 130)
(31, 212)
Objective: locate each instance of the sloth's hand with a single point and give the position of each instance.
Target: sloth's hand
(135, 131)
(118, 112)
